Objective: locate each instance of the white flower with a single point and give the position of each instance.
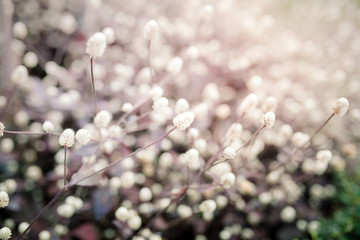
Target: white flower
(145, 194)
(324, 155)
(175, 65)
(48, 126)
(5, 233)
(150, 30)
(268, 120)
(67, 138)
(122, 214)
(19, 75)
(341, 107)
(229, 153)
(207, 206)
(2, 128)
(249, 103)
(65, 210)
(227, 180)
(134, 222)
(4, 199)
(192, 158)
(288, 214)
(183, 120)
(96, 45)
(102, 119)
(83, 136)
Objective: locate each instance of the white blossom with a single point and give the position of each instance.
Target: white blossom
(96, 45)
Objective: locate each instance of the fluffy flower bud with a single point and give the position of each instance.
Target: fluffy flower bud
(5, 233)
(183, 120)
(4, 199)
(96, 45)
(102, 119)
(2, 128)
(341, 106)
(67, 138)
(83, 136)
(268, 120)
(150, 30)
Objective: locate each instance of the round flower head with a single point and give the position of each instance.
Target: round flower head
(96, 45)
(5, 233)
(102, 119)
(207, 206)
(83, 136)
(183, 120)
(48, 126)
(249, 103)
(19, 75)
(67, 138)
(150, 30)
(341, 106)
(268, 120)
(2, 127)
(4, 199)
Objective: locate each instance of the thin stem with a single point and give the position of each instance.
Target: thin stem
(31, 133)
(53, 200)
(119, 160)
(148, 61)
(93, 82)
(65, 166)
(318, 130)
(251, 138)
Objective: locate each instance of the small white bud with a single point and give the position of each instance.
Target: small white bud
(184, 211)
(156, 93)
(207, 206)
(127, 107)
(249, 103)
(48, 126)
(227, 180)
(102, 119)
(109, 34)
(192, 159)
(160, 103)
(30, 59)
(122, 214)
(269, 104)
(4, 199)
(5, 233)
(83, 136)
(134, 222)
(68, 23)
(175, 66)
(65, 210)
(19, 75)
(341, 107)
(2, 128)
(268, 120)
(23, 226)
(288, 214)
(324, 155)
(67, 138)
(229, 153)
(96, 45)
(145, 194)
(183, 120)
(299, 139)
(44, 235)
(151, 29)
(20, 30)
(181, 106)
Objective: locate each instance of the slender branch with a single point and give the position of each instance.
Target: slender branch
(148, 61)
(65, 166)
(93, 82)
(119, 160)
(31, 133)
(317, 131)
(53, 200)
(251, 138)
